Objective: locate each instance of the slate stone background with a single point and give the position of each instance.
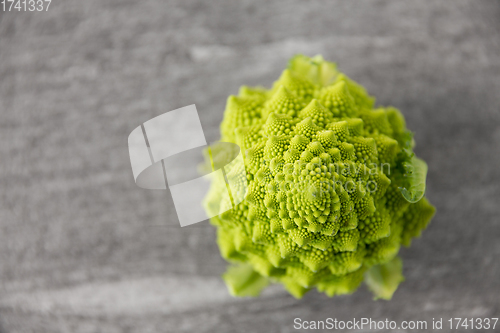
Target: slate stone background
(83, 249)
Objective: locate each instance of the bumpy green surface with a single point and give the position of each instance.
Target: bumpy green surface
(334, 188)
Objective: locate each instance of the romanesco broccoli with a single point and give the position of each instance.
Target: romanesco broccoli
(334, 188)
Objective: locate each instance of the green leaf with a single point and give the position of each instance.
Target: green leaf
(384, 279)
(315, 69)
(415, 174)
(243, 280)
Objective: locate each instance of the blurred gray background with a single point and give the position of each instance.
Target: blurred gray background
(83, 249)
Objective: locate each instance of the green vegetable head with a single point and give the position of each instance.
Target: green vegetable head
(334, 188)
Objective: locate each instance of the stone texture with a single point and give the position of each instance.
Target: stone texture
(82, 249)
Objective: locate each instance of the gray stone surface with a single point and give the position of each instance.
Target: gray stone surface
(82, 249)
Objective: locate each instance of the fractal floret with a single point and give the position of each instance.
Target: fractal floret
(333, 186)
